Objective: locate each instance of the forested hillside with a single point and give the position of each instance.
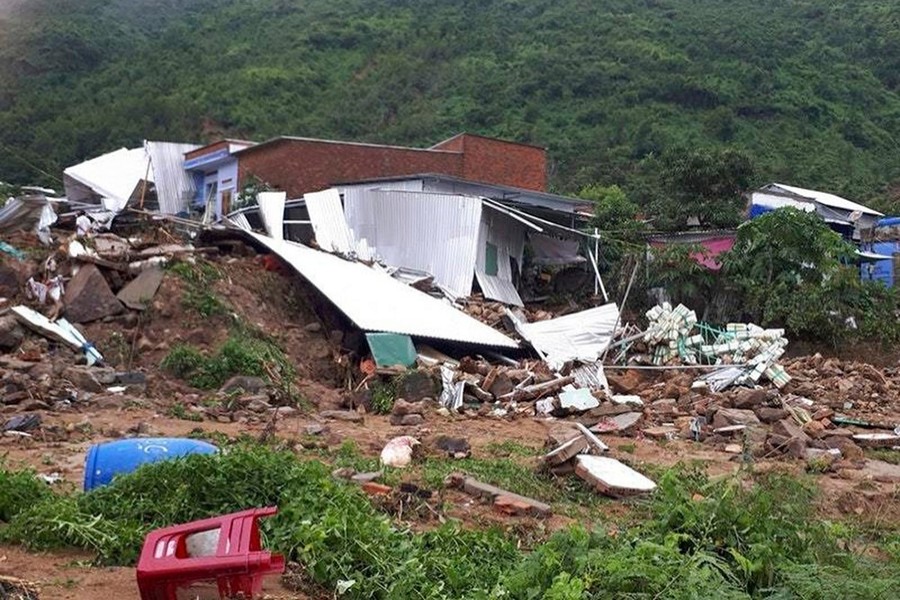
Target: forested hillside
(807, 89)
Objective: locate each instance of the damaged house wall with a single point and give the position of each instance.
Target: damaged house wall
(436, 233)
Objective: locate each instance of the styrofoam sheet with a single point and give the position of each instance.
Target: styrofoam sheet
(375, 301)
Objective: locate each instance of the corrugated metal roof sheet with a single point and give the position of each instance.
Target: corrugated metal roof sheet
(825, 198)
(374, 301)
(507, 236)
(271, 210)
(113, 176)
(328, 221)
(174, 186)
(580, 336)
(437, 233)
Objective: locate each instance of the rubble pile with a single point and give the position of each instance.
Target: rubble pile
(492, 313)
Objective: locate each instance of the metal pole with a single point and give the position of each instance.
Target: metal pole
(622, 306)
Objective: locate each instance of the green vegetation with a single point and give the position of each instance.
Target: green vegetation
(694, 539)
(807, 90)
(199, 278)
(245, 352)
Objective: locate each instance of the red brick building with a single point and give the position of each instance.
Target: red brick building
(300, 165)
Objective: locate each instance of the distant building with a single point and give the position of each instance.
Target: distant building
(299, 165)
(214, 168)
(846, 217)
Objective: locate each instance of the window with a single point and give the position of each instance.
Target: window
(490, 259)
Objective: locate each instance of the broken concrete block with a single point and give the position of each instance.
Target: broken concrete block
(627, 399)
(417, 385)
(508, 505)
(402, 407)
(734, 416)
(663, 432)
(611, 477)
(748, 399)
(880, 470)
(618, 423)
(578, 400)
(89, 298)
(407, 420)
(815, 429)
(473, 487)
(567, 451)
(501, 385)
(342, 415)
(734, 448)
(83, 378)
(249, 384)
(768, 414)
(877, 440)
(365, 477)
(139, 292)
(11, 333)
(789, 429)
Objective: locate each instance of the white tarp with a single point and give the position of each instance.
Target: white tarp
(581, 336)
(375, 301)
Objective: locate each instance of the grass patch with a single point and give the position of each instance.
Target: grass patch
(179, 411)
(511, 448)
(885, 454)
(383, 396)
(697, 538)
(199, 278)
(247, 351)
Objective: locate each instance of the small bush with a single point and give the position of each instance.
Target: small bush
(245, 352)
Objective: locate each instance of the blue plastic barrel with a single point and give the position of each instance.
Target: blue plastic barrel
(105, 461)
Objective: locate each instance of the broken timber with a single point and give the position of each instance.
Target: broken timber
(539, 390)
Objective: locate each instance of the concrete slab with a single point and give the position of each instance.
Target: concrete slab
(612, 477)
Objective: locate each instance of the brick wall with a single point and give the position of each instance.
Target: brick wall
(298, 166)
(497, 161)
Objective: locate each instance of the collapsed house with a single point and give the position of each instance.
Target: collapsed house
(453, 232)
(151, 177)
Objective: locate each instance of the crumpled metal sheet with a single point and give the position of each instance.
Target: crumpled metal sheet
(375, 301)
(581, 336)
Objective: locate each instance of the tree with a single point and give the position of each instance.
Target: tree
(706, 184)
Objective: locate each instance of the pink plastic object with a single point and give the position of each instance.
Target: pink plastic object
(237, 564)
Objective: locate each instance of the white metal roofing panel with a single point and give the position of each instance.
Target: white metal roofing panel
(580, 336)
(271, 210)
(507, 235)
(437, 233)
(328, 221)
(375, 301)
(113, 176)
(174, 186)
(827, 199)
(777, 201)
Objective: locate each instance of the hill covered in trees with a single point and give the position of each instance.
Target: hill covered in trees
(807, 89)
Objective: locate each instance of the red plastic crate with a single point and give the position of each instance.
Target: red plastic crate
(237, 566)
